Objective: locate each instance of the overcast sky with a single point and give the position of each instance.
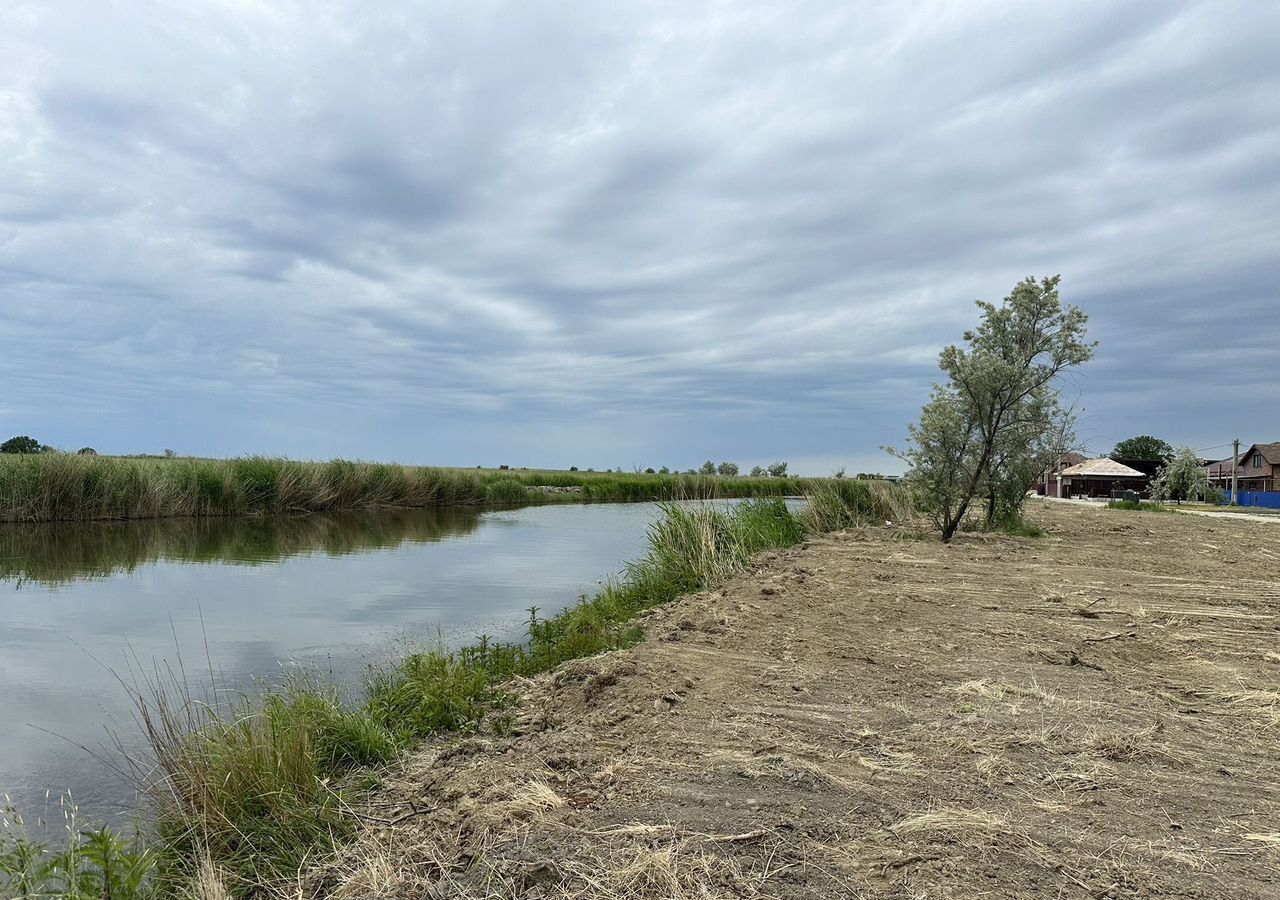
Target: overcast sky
(553, 234)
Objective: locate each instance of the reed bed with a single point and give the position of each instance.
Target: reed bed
(71, 488)
(836, 505)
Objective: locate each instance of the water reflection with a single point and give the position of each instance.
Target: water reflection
(255, 598)
(62, 552)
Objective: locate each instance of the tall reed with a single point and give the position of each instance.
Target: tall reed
(838, 504)
(60, 487)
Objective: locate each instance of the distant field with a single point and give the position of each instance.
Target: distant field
(67, 487)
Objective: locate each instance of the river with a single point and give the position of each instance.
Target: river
(84, 608)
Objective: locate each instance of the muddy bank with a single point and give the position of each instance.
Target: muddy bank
(1091, 714)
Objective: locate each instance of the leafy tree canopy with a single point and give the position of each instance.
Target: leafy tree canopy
(1144, 446)
(20, 444)
(997, 420)
(1182, 478)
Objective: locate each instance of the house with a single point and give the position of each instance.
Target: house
(1219, 472)
(1047, 483)
(1258, 469)
(1099, 477)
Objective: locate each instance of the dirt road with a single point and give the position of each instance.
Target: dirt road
(1095, 713)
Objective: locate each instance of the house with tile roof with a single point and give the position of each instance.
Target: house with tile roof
(1257, 469)
(1099, 477)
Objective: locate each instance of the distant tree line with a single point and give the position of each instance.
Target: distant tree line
(722, 469)
(26, 444)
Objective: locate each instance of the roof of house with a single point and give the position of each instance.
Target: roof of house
(1270, 452)
(1102, 468)
(1220, 466)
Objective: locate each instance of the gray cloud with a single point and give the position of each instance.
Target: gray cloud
(550, 234)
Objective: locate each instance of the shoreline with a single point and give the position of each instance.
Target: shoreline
(865, 716)
(259, 786)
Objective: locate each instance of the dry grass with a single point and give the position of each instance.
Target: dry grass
(678, 869)
(209, 882)
(948, 819)
(1128, 746)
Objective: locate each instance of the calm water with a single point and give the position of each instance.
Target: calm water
(78, 602)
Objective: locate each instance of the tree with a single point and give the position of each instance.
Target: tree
(1144, 446)
(20, 444)
(708, 468)
(838, 473)
(757, 472)
(1182, 478)
(778, 469)
(727, 468)
(87, 451)
(664, 471)
(981, 431)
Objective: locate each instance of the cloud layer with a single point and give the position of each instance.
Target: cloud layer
(552, 234)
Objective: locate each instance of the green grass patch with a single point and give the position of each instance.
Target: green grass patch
(1140, 505)
(88, 864)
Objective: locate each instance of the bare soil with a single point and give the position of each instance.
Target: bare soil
(1095, 713)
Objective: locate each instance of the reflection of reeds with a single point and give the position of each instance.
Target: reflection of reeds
(59, 552)
(70, 488)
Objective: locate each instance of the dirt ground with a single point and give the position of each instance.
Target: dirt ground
(1095, 713)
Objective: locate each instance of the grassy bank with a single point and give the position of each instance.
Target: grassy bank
(253, 788)
(62, 487)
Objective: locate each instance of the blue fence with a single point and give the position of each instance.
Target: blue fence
(1265, 499)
